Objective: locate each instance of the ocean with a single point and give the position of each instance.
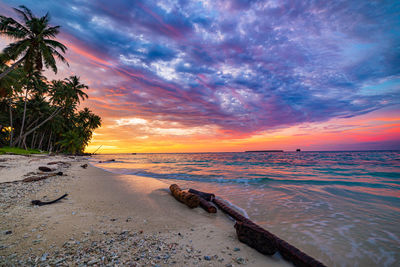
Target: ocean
(342, 208)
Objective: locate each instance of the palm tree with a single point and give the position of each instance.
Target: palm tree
(88, 120)
(10, 86)
(12, 83)
(68, 93)
(34, 81)
(35, 45)
(76, 89)
(72, 141)
(78, 136)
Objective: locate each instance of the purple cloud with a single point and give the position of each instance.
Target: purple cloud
(244, 66)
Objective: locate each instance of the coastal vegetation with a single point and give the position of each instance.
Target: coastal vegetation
(36, 113)
(18, 151)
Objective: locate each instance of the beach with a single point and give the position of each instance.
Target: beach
(108, 219)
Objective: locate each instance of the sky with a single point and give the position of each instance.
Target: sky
(218, 75)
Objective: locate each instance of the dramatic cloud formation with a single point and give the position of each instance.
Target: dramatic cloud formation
(226, 70)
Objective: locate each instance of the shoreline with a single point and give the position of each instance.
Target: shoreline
(110, 218)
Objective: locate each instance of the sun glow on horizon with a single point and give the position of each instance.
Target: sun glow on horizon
(350, 133)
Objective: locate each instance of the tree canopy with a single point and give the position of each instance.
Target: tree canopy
(37, 113)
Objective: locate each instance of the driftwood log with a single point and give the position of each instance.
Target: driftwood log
(295, 255)
(234, 214)
(41, 203)
(257, 237)
(191, 200)
(204, 200)
(84, 166)
(206, 196)
(38, 178)
(45, 169)
(207, 206)
(59, 162)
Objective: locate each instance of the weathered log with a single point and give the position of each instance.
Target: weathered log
(234, 214)
(207, 206)
(84, 166)
(41, 203)
(59, 162)
(246, 226)
(295, 255)
(206, 196)
(191, 200)
(256, 237)
(45, 169)
(38, 178)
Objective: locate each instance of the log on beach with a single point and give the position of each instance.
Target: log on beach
(207, 206)
(84, 166)
(206, 196)
(191, 200)
(265, 242)
(59, 162)
(234, 214)
(256, 237)
(38, 178)
(45, 169)
(41, 203)
(295, 255)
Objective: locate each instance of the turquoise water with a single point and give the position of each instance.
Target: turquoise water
(341, 207)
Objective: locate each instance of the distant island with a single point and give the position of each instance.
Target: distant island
(252, 151)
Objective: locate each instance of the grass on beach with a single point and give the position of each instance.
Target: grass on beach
(19, 151)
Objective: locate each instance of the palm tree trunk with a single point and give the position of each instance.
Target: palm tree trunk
(48, 146)
(41, 140)
(11, 125)
(11, 68)
(23, 118)
(33, 140)
(40, 124)
(24, 143)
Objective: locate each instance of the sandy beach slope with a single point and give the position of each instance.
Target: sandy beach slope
(108, 220)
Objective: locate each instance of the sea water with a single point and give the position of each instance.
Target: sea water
(342, 208)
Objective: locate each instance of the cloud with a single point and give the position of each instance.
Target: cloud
(242, 67)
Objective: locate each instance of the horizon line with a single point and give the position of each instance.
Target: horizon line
(283, 151)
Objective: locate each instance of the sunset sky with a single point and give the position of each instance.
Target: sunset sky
(215, 75)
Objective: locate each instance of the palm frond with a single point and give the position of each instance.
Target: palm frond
(54, 44)
(27, 11)
(12, 28)
(34, 40)
(22, 14)
(48, 58)
(59, 56)
(51, 31)
(14, 50)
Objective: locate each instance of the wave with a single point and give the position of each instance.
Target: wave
(388, 184)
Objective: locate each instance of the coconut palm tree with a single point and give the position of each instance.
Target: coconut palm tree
(76, 89)
(10, 87)
(69, 92)
(34, 81)
(35, 45)
(78, 136)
